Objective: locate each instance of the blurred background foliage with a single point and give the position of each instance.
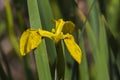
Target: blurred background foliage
(97, 32)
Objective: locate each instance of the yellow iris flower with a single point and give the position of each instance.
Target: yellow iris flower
(30, 38)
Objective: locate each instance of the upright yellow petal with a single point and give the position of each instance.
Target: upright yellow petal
(64, 26)
(59, 25)
(73, 48)
(29, 40)
(68, 27)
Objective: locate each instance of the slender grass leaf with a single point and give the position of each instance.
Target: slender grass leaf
(60, 60)
(103, 54)
(46, 21)
(40, 53)
(112, 9)
(11, 27)
(83, 67)
(94, 13)
(100, 66)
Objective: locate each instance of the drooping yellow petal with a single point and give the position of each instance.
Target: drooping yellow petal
(29, 40)
(73, 48)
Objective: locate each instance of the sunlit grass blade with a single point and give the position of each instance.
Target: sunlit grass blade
(68, 72)
(69, 65)
(46, 14)
(11, 27)
(103, 51)
(112, 9)
(99, 57)
(41, 52)
(83, 67)
(94, 15)
(46, 21)
(43, 68)
(55, 9)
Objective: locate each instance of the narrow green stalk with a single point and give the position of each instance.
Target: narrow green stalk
(99, 50)
(27, 67)
(112, 9)
(103, 51)
(69, 65)
(60, 60)
(94, 15)
(46, 21)
(11, 27)
(83, 67)
(41, 52)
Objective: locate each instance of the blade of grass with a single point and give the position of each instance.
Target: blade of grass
(103, 51)
(100, 59)
(60, 60)
(94, 13)
(11, 27)
(55, 9)
(40, 53)
(27, 68)
(103, 39)
(83, 67)
(112, 9)
(46, 14)
(12, 34)
(46, 18)
(69, 65)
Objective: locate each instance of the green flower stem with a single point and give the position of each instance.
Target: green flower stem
(60, 60)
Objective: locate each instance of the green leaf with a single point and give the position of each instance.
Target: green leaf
(11, 27)
(60, 60)
(46, 21)
(41, 52)
(83, 67)
(103, 52)
(94, 15)
(98, 46)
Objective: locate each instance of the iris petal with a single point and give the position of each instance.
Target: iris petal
(29, 40)
(73, 48)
